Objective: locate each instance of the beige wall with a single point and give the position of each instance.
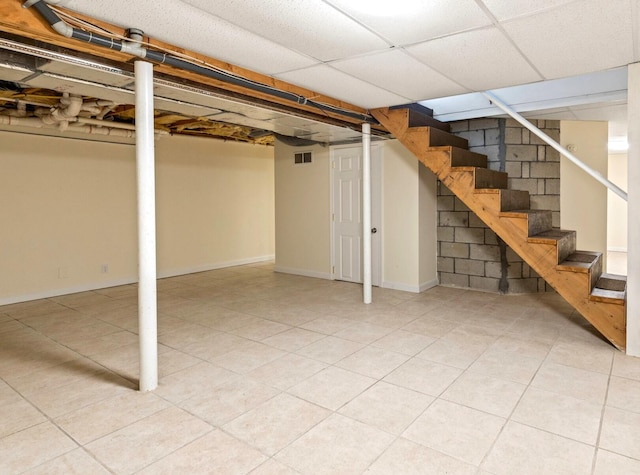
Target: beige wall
(428, 192)
(302, 210)
(583, 201)
(69, 207)
(400, 217)
(616, 206)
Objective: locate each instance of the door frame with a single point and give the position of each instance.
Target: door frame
(376, 209)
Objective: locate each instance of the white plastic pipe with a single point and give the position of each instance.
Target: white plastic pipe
(145, 165)
(366, 212)
(633, 210)
(37, 123)
(593, 173)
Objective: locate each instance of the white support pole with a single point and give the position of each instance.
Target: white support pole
(145, 164)
(579, 163)
(366, 212)
(633, 211)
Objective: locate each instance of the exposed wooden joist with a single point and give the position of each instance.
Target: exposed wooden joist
(27, 23)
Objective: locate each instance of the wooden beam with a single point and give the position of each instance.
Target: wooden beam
(27, 23)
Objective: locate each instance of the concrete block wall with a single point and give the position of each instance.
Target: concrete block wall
(469, 253)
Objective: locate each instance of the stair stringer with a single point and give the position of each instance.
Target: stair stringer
(608, 318)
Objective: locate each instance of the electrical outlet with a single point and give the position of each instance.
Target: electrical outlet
(104, 268)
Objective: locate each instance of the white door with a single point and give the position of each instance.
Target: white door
(347, 213)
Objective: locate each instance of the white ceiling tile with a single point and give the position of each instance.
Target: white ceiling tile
(479, 60)
(400, 74)
(505, 9)
(308, 26)
(186, 26)
(326, 80)
(568, 41)
(418, 21)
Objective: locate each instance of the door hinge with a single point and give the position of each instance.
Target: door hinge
(333, 269)
(333, 217)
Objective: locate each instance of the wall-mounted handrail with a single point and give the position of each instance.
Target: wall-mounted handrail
(593, 173)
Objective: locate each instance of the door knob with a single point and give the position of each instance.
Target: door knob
(374, 230)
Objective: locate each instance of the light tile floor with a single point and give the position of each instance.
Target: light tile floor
(267, 373)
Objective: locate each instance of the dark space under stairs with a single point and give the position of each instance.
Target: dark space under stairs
(576, 275)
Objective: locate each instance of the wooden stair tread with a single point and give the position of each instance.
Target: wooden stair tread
(610, 296)
(460, 157)
(510, 200)
(485, 178)
(551, 236)
(612, 282)
(419, 118)
(580, 261)
(538, 220)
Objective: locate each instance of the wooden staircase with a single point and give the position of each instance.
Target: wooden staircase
(551, 252)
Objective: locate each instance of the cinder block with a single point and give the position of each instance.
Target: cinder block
(476, 124)
(453, 218)
(469, 235)
(555, 219)
(552, 124)
(526, 169)
(469, 267)
(446, 203)
(524, 184)
(551, 202)
(454, 249)
(490, 237)
(493, 269)
(492, 137)
(483, 252)
(526, 136)
(540, 187)
(443, 190)
(459, 205)
(514, 270)
(445, 234)
(475, 222)
(512, 256)
(551, 154)
(545, 170)
(459, 126)
(491, 151)
(475, 137)
(445, 264)
(541, 153)
(513, 135)
(522, 153)
(455, 280)
(523, 286)
(484, 283)
(514, 169)
(552, 133)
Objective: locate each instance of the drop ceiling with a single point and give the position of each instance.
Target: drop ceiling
(375, 53)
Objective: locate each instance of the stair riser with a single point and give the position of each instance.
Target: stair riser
(485, 178)
(539, 223)
(464, 158)
(439, 138)
(514, 199)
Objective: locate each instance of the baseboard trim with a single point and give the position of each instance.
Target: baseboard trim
(428, 285)
(219, 265)
(304, 272)
(617, 249)
(129, 280)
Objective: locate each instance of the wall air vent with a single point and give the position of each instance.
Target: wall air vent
(302, 157)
